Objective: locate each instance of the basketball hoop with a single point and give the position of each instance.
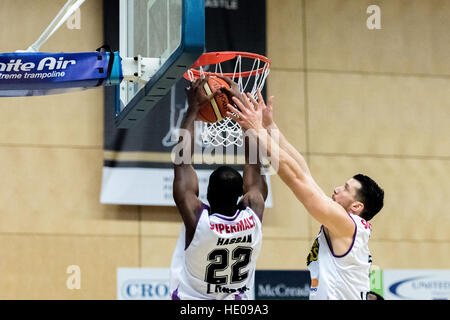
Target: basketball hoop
(227, 132)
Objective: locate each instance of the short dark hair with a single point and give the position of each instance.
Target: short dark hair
(225, 187)
(371, 195)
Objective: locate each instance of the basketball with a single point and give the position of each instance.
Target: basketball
(215, 110)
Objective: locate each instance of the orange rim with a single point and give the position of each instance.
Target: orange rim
(218, 57)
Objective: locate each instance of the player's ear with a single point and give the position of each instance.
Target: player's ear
(357, 207)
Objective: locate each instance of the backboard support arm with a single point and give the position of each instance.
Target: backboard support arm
(69, 8)
(139, 69)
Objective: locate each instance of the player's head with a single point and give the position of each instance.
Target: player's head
(225, 187)
(361, 196)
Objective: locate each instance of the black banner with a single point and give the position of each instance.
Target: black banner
(227, 310)
(282, 284)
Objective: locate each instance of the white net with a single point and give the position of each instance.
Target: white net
(227, 132)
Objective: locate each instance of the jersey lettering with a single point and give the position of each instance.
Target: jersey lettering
(241, 225)
(314, 253)
(366, 224)
(244, 239)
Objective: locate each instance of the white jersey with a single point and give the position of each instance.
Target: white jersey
(344, 277)
(220, 261)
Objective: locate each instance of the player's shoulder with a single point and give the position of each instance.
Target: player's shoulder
(361, 223)
(245, 208)
(363, 227)
(202, 213)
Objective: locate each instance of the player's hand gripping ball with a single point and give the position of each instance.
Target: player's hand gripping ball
(216, 109)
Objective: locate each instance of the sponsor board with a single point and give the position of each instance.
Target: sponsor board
(282, 284)
(148, 284)
(143, 284)
(416, 284)
(376, 281)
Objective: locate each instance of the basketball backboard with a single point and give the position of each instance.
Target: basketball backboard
(172, 34)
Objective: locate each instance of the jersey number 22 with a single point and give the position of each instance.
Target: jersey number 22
(220, 259)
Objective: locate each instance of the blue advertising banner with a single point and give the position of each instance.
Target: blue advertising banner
(30, 74)
(282, 284)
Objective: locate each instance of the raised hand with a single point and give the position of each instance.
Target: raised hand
(268, 113)
(249, 112)
(196, 95)
(233, 91)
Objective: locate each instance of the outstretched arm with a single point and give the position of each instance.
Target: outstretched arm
(185, 183)
(271, 126)
(321, 207)
(255, 186)
(285, 145)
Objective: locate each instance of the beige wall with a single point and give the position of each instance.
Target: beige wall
(370, 101)
(352, 100)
